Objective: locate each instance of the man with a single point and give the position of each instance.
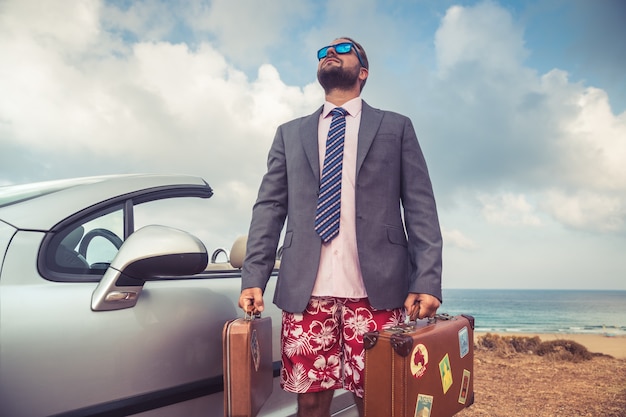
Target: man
(353, 261)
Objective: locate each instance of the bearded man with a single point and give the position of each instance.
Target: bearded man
(362, 244)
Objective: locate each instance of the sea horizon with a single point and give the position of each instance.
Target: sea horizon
(542, 311)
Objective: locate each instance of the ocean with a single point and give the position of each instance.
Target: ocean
(540, 311)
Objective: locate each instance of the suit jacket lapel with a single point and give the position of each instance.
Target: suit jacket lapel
(370, 122)
(308, 135)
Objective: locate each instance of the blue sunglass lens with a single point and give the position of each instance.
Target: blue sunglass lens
(343, 48)
(340, 48)
(322, 52)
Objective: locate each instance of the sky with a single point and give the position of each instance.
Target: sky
(519, 106)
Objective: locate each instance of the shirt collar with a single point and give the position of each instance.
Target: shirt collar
(353, 107)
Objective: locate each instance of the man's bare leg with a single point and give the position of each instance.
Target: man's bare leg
(315, 404)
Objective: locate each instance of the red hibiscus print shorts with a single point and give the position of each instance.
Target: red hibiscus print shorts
(322, 348)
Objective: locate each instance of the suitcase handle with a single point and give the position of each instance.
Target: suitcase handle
(442, 317)
(446, 316)
(402, 342)
(249, 316)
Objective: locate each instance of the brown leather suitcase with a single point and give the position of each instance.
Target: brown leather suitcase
(420, 369)
(248, 373)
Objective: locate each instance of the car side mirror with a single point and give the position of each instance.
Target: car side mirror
(151, 252)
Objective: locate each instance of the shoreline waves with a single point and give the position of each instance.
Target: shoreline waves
(608, 331)
(563, 312)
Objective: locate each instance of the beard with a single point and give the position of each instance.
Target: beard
(338, 77)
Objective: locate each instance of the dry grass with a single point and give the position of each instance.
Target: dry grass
(562, 350)
(523, 376)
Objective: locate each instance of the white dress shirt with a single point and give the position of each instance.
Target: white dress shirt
(339, 273)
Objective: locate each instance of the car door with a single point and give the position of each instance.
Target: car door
(164, 353)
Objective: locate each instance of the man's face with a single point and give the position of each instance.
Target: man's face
(338, 71)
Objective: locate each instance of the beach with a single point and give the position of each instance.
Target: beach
(597, 343)
(510, 384)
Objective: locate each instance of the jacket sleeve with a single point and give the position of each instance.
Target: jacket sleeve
(421, 220)
(268, 217)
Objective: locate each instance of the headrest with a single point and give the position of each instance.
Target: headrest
(73, 238)
(238, 251)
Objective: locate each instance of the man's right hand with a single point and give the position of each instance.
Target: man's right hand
(251, 300)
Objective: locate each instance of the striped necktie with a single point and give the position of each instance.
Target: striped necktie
(329, 200)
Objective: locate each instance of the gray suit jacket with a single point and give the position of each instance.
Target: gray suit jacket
(398, 254)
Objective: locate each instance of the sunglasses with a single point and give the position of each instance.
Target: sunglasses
(340, 48)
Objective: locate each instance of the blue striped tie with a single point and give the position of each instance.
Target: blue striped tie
(329, 200)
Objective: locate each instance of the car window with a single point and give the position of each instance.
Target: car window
(102, 239)
(88, 247)
(84, 249)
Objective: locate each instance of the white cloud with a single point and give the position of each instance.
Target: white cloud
(500, 124)
(147, 20)
(587, 210)
(456, 238)
(153, 100)
(54, 23)
(585, 185)
(483, 33)
(508, 209)
(595, 143)
(244, 29)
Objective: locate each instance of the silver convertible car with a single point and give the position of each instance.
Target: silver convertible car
(109, 307)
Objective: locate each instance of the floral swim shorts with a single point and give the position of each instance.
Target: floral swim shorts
(322, 348)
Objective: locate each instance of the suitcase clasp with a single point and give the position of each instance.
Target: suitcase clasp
(370, 339)
(402, 343)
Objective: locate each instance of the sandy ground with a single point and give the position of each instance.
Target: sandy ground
(609, 345)
(522, 385)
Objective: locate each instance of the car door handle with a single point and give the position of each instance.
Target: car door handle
(121, 296)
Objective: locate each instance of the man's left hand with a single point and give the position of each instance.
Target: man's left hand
(421, 305)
